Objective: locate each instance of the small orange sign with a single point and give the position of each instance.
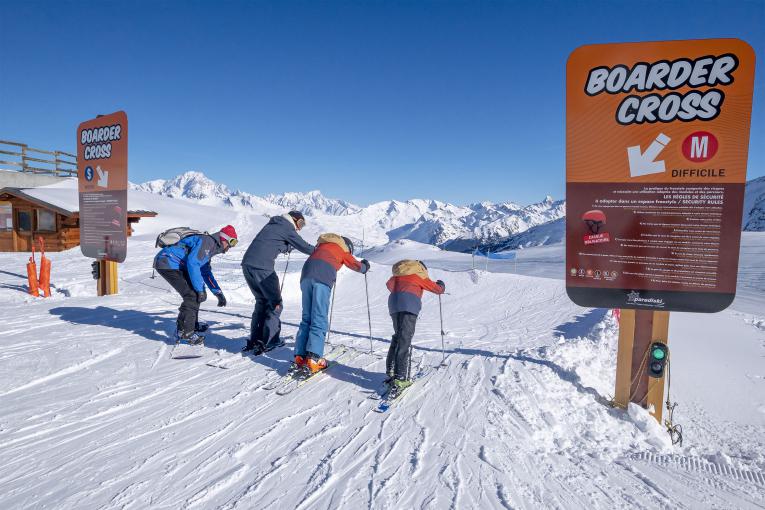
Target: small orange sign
(657, 137)
(103, 180)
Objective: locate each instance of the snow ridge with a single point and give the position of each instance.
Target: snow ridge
(754, 206)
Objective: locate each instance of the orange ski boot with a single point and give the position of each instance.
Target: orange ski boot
(316, 364)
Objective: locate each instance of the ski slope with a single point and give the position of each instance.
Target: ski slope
(95, 414)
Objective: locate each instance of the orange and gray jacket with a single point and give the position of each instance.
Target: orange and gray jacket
(330, 255)
(409, 280)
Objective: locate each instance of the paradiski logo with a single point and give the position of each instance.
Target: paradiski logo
(634, 298)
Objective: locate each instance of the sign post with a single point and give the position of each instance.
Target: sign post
(102, 177)
(657, 137)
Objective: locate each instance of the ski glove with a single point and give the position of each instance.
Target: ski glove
(221, 299)
(364, 266)
(201, 297)
(441, 284)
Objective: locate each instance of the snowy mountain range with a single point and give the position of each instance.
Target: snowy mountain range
(490, 226)
(427, 221)
(459, 229)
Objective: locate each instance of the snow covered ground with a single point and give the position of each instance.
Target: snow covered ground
(94, 413)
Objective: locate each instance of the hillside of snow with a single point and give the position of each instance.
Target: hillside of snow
(95, 414)
(754, 206)
(552, 232)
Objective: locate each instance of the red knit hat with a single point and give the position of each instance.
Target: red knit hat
(228, 233)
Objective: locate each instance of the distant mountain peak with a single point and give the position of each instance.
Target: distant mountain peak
(312, 202)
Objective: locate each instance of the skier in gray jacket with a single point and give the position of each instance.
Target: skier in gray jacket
(278, 236)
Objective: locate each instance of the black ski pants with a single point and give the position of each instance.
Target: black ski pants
(188, 313)
(266, 325)
(399, 352)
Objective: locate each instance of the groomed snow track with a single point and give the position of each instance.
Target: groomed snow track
(94, 413)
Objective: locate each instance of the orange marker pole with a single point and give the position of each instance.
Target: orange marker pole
(32, 274)
(44, 283)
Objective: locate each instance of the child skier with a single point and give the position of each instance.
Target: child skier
(410, 278)
(185, 265)
(316, 282)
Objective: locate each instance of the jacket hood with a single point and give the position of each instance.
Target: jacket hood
(287, 217)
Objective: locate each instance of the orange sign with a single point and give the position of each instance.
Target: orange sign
(657, 136)
(102, 177)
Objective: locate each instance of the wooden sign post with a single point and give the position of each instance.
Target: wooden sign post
(638, 330)
(107, 279)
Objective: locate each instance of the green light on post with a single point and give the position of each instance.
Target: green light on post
(658, 353)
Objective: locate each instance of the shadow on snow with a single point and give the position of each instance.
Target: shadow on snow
(583, 324)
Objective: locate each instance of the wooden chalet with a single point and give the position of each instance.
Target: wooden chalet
(49, 212)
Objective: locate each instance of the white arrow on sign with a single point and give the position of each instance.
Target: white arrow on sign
(645, 163)
(103, 177)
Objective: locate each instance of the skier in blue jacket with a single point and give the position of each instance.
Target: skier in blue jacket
(186, 267)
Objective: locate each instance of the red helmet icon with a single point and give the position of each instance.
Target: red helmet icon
(595, 219)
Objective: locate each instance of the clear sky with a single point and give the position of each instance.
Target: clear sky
(460, 101)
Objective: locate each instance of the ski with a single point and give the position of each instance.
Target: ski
(226, 362)
(292, 381)
(301, 379)
(277, 382)
(379, 393)
(386, 401)
(186, 351)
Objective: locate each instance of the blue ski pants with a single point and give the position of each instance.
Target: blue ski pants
(314, 323)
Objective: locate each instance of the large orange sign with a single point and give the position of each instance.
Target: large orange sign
(657, 136)
(102, 177)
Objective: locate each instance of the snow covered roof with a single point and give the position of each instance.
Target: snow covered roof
(63, 198)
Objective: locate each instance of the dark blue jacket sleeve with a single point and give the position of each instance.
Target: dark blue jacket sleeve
(297, 242)
(209, 279)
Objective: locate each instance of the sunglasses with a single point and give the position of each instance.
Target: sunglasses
(233, 242)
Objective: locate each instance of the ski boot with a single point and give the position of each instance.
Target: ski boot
(192, 338)
(297, 366)
(398, 387)
(270, 346)
(390, 376)
(316, 363)
(255, 347)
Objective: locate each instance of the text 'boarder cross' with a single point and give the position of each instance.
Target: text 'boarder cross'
(645, 163)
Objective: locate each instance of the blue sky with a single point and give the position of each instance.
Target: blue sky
(366, 101)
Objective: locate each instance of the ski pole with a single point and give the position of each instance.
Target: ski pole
(284, 275)
(331, 311)
(441, 314)
(409, 368)
(369, 314)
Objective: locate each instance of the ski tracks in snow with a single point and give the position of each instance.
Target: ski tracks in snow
(506, 424)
